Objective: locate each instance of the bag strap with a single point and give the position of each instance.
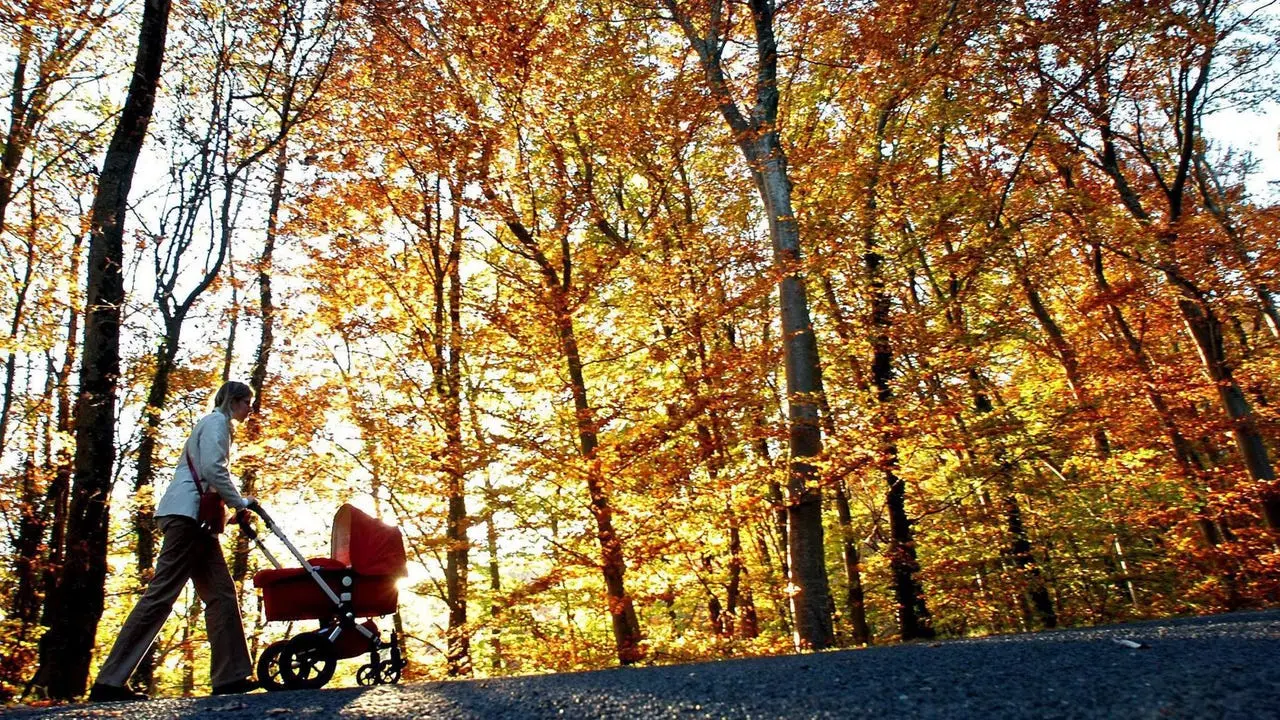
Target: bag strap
(194, 475)
(186, 451)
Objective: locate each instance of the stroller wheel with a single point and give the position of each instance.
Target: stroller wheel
(308, 662)
(387, 673)
(269, 670)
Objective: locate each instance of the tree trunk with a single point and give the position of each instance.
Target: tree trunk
(24, 604)
(19, 314)
(811, 602)
(189, 622)
(266, 342)
(622, 613)
(58, 494)
(66, 648)
(18, 136)
(774, 528)
(1206, 330)
(914, 619)
(1020, 550)
(1193, 304)
(457, 563)
(1264, 296)
(1019, 543)
(757, 138)
(174, 313)
(855, 601)
(734, 593)
(1066, 356)
(495, 576)
(626, 626)
(144, 521)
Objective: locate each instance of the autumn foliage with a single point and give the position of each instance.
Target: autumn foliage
(522, 279)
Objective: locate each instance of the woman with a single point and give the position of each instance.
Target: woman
(191, 552)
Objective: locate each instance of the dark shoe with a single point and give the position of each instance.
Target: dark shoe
(112, 693)
(237, 687)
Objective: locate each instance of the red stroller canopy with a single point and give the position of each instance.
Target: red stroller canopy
(368, 546)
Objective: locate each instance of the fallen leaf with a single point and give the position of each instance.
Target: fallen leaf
(1130, 644)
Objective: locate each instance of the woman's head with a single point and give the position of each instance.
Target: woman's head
(234, 399)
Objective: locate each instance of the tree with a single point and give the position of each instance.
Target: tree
(756, 133)
(1195, 58)
(78, 597)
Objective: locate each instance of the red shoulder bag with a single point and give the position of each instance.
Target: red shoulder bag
(212, 514)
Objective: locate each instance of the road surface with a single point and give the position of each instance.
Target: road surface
(1225, 666)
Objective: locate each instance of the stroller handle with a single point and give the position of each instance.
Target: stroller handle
(256, 507)
(302, 559)
(249, 531)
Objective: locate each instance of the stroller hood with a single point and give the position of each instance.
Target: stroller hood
(368, 546)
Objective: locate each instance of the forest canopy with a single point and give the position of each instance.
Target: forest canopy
(665, 330)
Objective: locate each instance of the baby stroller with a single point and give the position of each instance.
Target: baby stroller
(358, 581)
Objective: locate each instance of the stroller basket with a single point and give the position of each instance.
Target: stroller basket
(291, 593)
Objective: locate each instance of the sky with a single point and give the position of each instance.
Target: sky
(1258, 134)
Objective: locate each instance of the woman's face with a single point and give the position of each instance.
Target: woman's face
(240, 408)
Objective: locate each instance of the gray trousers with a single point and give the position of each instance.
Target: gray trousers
(187, 553)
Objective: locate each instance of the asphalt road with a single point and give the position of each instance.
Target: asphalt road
(1227, 666)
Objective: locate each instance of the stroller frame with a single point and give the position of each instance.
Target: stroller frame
(308, 660)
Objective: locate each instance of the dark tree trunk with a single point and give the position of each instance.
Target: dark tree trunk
(457, 563)
(855, 601)
(1020, 550)
(626, 625)
(189, 624)
(266, 342)
(1193, 304)
(773, 528)
(174, 312)
(495, 576)
(1019, 542)
(24, 605)
(737, 568)
(11, 359)
(914, 619)
(1212, 194)
(1206, 330)
(78, 599)
(1065, 353)
(58, 495)
(17, 138)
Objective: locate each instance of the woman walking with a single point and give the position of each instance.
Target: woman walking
(192, 552)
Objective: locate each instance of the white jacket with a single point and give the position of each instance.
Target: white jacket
(209, 447)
